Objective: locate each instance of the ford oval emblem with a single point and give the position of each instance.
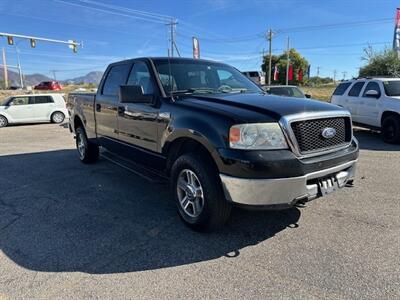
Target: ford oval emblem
(328, 132)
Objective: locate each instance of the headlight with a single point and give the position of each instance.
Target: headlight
(262, 136)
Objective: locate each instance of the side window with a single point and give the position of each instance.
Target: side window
(19, 101)
(140, 75)
(41, 99)
(341, 88)
(356, 89)
(115, 78)
(372, 85)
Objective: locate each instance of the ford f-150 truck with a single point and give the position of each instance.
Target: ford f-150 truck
(216, 135)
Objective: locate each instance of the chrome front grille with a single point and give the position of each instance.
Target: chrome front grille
(309, 134)
(304, 132)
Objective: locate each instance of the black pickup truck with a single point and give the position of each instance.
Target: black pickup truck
(219, 138)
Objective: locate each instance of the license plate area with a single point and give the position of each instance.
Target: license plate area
(328, 185)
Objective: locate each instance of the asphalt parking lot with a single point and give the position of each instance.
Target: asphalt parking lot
(69, 230)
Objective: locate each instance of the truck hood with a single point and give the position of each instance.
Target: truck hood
(273, 106)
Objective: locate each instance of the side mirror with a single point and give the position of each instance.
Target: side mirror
(372, 94)
(307, 96)
(133, 94)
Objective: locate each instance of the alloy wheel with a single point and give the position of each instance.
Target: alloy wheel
(190, 193)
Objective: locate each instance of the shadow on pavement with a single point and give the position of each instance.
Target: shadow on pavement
(372, 140)
(58, 215)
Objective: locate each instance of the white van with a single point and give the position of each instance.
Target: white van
(32, 109)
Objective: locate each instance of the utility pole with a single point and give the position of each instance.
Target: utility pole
(5, 69)
(318, 68)
(21, 79)
(334, 76)
(288, 63)
(269, 38)
(344, 75)
(54, 74)
(173, 45)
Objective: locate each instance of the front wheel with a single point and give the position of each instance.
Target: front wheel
(3, 121)
(57, 117)
(391, 130)
(198, 193)
(88, 152)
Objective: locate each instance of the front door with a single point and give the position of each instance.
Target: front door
(107, 104)
(138, 122)
(20, 109)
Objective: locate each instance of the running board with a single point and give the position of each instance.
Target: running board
(145, 172)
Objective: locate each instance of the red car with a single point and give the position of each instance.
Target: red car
(49, 85)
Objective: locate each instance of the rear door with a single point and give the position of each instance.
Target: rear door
(42, 107)
(20, 109)
(137, 122)
(107, 103)
(352, 100)
(370, 106)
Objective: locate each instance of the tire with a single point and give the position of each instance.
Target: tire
(206, 207)
(391, 129)
(3, 121)
(87, 151)
(57, 117)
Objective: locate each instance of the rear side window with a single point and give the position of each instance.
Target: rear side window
(372, 86)
(341, 88)
(41, 99)
(356, 89)
(115, 78)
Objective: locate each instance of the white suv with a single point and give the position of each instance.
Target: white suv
(32, 108)
(373, 103)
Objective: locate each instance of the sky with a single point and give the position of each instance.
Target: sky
(330, 34)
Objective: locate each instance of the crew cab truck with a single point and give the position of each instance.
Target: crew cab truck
(219, 138)
(373, 103)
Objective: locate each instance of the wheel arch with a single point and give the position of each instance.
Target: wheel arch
(189, 144)
(388, 113)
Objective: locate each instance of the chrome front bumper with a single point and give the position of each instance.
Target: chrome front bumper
(284, 191)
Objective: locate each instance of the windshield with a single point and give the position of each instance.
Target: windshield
(392, 87)
(288, 91)
(4, 101)
(202, 77)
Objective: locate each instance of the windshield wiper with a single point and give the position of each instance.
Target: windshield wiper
(194, 90)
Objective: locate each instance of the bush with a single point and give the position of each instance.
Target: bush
(385, 63)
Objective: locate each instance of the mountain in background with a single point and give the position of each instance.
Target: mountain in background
(93, 77)
(34, 79)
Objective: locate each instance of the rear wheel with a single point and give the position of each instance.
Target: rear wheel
(3, 121)
(198, 193)
(391, 129)
(88, 152)
(57, 117)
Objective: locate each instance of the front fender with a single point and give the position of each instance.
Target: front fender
(212, 135)
(8, 117)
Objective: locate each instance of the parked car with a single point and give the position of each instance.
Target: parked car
(32, 109)
(49, 85)
(373, 103)
(286, 90)
(219, 145)
(256, 76)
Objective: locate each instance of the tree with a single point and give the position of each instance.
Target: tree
(385, 63)
(296, 60)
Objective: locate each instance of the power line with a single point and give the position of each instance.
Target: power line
(139, 17)
(334, 25)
